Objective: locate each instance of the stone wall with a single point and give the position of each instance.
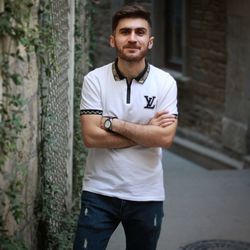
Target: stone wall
(28, 154)
(202, 101)
(27, 144)
(214, 104)
(236, 121)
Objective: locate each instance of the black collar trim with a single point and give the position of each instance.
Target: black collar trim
(141, 78)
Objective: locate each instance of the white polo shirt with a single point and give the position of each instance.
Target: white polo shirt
(133, 173)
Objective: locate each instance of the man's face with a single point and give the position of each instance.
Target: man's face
(132, 39)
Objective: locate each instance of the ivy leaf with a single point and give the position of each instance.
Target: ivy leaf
(17, 79)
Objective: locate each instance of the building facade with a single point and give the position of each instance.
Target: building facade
(204, 45)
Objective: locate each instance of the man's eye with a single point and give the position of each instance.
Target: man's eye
(124, 32)
(140, 32)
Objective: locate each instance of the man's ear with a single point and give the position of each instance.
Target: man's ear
(112, 41)
(151, 42)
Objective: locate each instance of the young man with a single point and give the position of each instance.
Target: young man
(128, 112)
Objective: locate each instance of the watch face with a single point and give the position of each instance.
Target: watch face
(107, 124)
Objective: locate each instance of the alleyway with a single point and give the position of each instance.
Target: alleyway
(202, 205)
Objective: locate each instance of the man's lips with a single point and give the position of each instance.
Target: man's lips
(131, 47)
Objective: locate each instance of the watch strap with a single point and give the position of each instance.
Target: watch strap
(109, 119)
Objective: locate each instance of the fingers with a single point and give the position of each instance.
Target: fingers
(160, 113)
(166, 123)
(164, 119)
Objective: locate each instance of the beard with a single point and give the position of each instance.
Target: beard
(131, 57)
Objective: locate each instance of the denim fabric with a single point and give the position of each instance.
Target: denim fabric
(100, 215)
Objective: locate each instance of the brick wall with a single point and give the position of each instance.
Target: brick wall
(202, 101)
(101, 30)
(211, 104)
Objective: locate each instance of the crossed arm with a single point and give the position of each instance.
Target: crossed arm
(159, 132)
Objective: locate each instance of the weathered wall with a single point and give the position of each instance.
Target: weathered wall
(57, 123)
(214, 104)
(27, 145)
(202, 101)
(60, 92)
(101, 30)
(236, 121)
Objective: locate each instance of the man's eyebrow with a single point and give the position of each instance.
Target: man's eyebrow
(130, 28)
(141, 28)
(125, 28)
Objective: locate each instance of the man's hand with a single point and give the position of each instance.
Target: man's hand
(158, 132)
(162, 119)
(95, 136)
(102, 122)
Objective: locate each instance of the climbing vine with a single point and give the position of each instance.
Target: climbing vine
(82, 63)
(63, 238)
(17, 39)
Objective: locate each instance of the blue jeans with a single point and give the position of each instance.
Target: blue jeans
(100, 215)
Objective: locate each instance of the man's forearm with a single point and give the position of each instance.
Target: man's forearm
(104, 139)
(145, 135)
(96, 137)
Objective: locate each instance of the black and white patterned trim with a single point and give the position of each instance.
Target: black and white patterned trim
(141, 78)
(90, 112)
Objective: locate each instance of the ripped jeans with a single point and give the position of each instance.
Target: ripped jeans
(100, 215)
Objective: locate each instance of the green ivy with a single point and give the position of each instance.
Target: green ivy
(14, 32)
(79, 153)
(63, 239)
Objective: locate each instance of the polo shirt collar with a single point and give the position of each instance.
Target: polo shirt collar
(141, 78)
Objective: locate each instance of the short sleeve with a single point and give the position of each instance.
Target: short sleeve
(168, 97)
(90, 97)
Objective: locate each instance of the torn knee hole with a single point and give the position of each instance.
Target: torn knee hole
(85, 244)
(86, 211)
(155, 221)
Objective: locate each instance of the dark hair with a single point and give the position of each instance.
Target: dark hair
(134, 10)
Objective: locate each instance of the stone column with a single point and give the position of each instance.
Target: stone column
(236, 121)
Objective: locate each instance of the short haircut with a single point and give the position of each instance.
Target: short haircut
(134, 10)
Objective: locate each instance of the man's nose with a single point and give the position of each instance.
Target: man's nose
(132, 37)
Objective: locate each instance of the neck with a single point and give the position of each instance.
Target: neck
(131, 69)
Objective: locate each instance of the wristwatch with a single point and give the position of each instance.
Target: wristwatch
(108, 123)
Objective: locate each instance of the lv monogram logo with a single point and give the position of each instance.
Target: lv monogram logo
(150, 102)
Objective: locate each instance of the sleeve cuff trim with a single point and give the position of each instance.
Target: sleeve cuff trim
(90, 112)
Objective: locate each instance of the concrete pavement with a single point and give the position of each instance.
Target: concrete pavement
(201, 205)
